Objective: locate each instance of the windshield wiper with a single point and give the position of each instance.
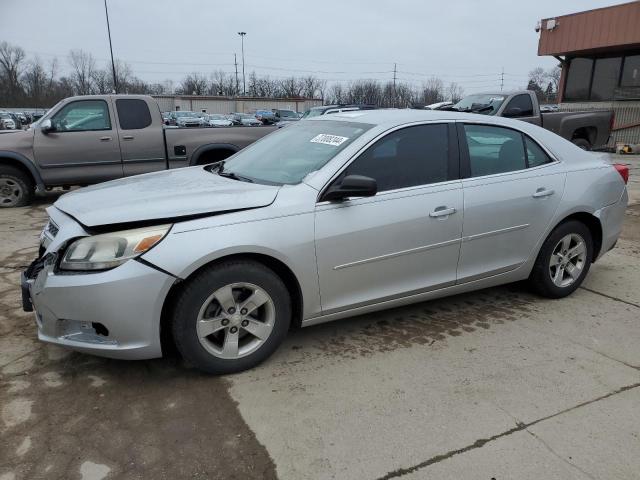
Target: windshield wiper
(232, 175)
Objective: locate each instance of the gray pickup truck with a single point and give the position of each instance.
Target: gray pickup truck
(586, 129)
(91, 139)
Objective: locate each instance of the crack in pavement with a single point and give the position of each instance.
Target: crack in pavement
(555, 454)
(483, 441)
(610, 297)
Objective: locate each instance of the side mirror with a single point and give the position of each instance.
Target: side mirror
(351, 186)
(46, 126)
(512, 112)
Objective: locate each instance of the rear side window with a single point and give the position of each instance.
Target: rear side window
(133, 113)
(494, 150)
(535, 155)
(523, 104)
(405, 158)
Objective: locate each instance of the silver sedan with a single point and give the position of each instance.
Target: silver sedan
(332, 217)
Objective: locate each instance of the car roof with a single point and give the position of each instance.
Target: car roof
(392, 117)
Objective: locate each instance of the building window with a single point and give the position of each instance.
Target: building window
(631, 72)
(605, 78)
(578, 79)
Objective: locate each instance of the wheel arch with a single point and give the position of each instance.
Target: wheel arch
(279, 267)
(23, 163)
(217, 151)
(592, 222)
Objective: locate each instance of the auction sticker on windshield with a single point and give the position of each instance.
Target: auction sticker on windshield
(327, 139)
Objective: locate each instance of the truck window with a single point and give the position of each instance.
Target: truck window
(523, 103)
(631, 72)
(82, 116)
(133, 113)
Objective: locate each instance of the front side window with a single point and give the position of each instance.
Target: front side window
(520, 106)
(408, 157)
(288, 155)
(81, 116)
(494, 150)
(133, 113)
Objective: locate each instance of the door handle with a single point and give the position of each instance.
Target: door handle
(127, 137)
(442, 212)
(105, 139)
(543, 192)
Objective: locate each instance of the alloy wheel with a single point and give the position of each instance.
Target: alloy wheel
(10, 192)
(235, 320)
(568, 260)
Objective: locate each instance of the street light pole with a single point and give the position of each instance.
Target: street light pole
(244, 83)
(113, 65)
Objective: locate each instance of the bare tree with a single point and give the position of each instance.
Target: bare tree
(432, 91)
(35, 80)
(455, 92)
(83, 67)
(291, 87)
(11, 66)
(194, 84)
(553, 75)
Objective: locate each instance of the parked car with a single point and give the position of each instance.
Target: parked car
(7, 121)
(585, 129)
(217, 120)
(189, 119)
(86, 140)
(310, 224)
(267, 117)
(285, 115)
(245, 119)
(328, 109)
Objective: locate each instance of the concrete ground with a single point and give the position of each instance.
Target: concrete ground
(497, 384)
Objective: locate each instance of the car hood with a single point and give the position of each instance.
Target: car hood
(167, 195)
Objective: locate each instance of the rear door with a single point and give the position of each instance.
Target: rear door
(83, 148)
(141, 139)
(510, 195)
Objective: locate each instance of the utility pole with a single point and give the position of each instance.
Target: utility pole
(113, 65)
(395, 95)
(235, 61)
(244, 83)
(502, 79)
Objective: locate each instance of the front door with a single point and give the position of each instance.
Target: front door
(83, 148)
(510, 196)
(141, 139)
(405, 239)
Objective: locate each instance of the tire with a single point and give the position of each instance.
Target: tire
(16, 187)
(582, 143)
(544, 272)
(204, 305)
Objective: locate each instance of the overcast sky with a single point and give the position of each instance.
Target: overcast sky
(467, 41)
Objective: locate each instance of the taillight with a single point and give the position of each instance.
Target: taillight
(623, 170)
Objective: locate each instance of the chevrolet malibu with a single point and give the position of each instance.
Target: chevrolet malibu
(332, 217)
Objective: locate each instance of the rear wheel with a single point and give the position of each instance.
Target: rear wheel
(231, 317)
(16, 187)
(582, 143)
(563, 261)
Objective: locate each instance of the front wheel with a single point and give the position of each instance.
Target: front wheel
(16, 187)
(231, 316)
(563, 261)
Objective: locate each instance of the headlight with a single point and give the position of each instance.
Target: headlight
(101, 252)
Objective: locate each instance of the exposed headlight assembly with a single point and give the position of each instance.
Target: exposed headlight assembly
(101, 252)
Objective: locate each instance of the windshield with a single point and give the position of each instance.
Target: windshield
(287, 113)
(217, 117)
(490, 101)
(187, 114)
(314, 112)
(290, 154)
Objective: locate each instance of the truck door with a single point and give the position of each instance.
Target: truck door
(141, 139)
(521, 107)
(82, 147)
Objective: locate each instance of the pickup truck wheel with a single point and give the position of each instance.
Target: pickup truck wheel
(16, 187)
(231, 316)
(582, 143)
